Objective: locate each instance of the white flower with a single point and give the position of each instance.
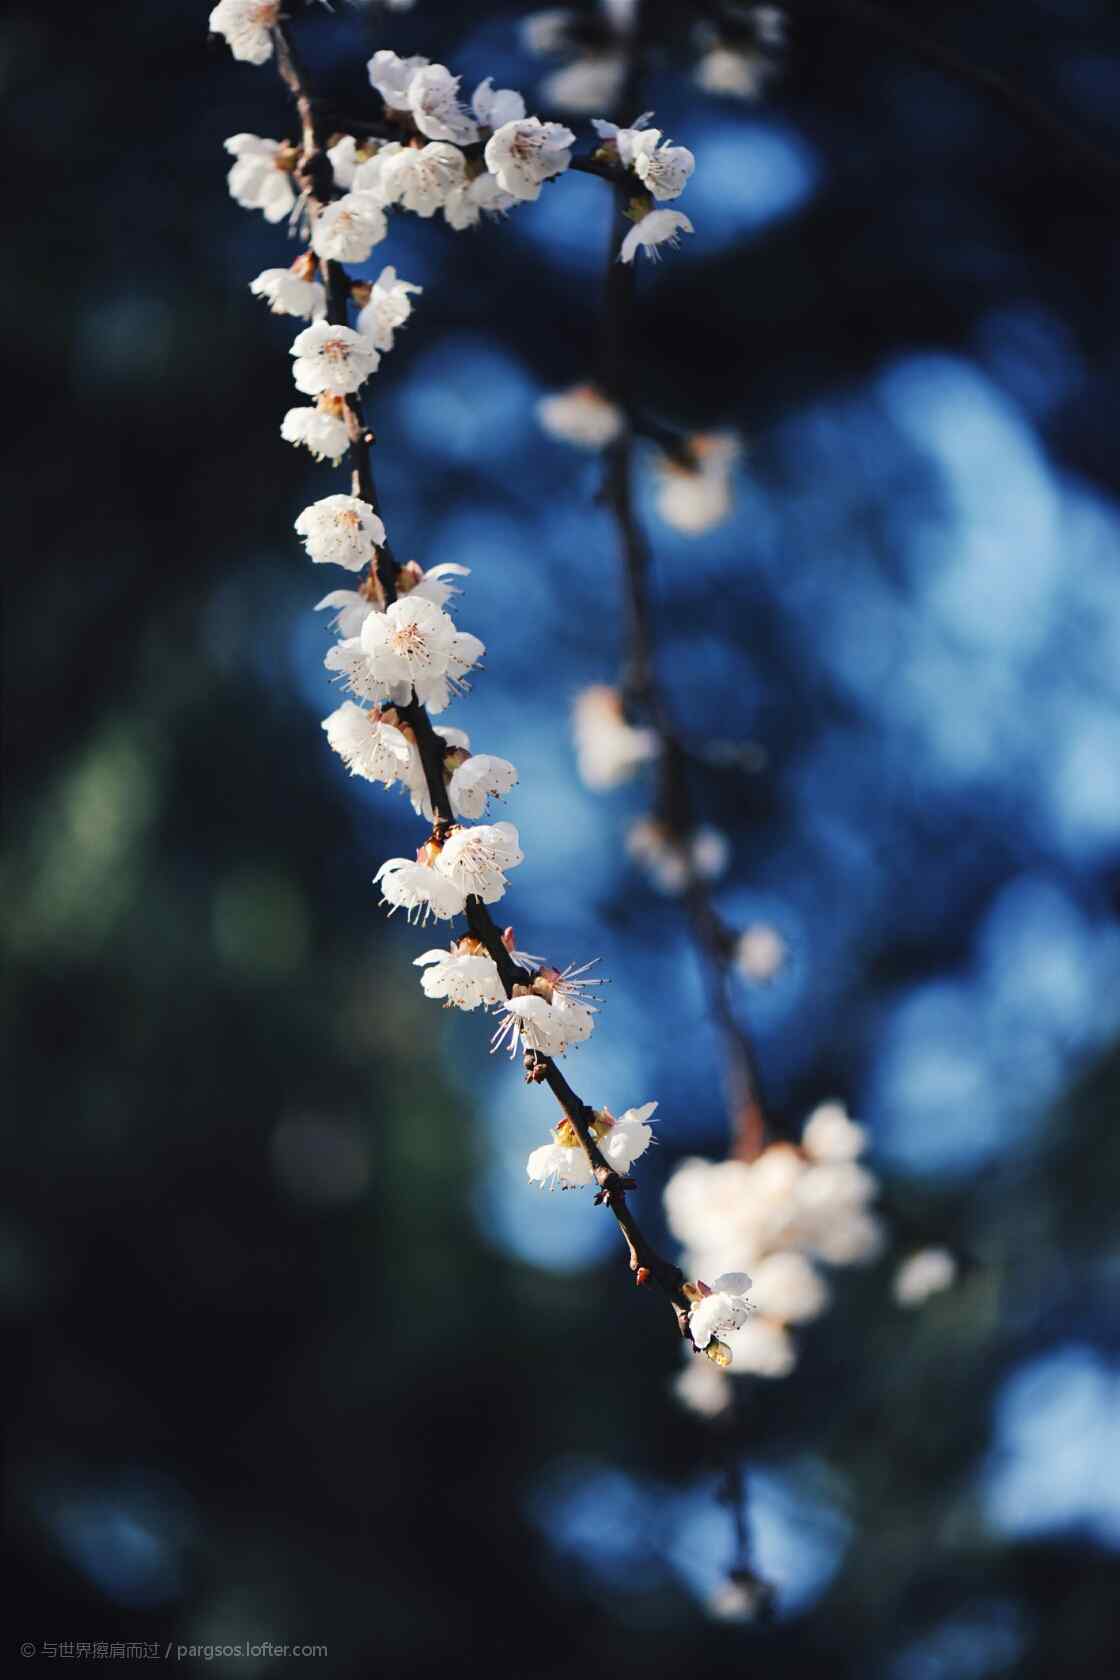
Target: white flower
(761, 1348)
(348, 229)
(431, 585)
(351, 609)
(722, 1307)
(788, 1288)
(850, 1237)
(729, 1211)
(260, 177)
(433, 99)
(621, 16)
(627, 1137)
(347, 659)
(392, 77)
(320, 429)
(475, 859)
(563, 1166)
(550, 1025)
(608, 749)
(832, 1215)
(739, 75)
(827, 1185)
(344, 161)
(369, 174)
(421, 178)
(464, 976)
(701, 1195)
(626, 141)
(341, 531)
(366, 745)
(592, 82)
(457, 744)
(288, 294)
(769, 25)
(418, 890)
(546, 32)
(388, 308)
(330, 358)
(436, 692)
(480, 778)
(656, 228)
(702, 1387)
(247, 26)
(522, 154)
(409, 644)
(650, 844)
(923, 1274)
(672, 863)
(580, 415)
(760, 951)
(465, 205)
(663, 169)
(693, 499)
(564, 1162)
(494, 107)
(744, 1596)
(571, 1020)
(708, 852)
(829, 1135)
(777, 1172)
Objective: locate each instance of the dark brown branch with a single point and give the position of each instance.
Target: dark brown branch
(315, 176)
(643, 694)
(292, 76)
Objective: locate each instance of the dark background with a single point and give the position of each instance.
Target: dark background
(295, 1354)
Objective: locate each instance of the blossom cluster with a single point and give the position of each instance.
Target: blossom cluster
(663, 172)
(460, 160)
(435, 166)
(694, 482)
(783, 1214)
(394, 656)
(397, 650)
(740, 65)
(594, 67)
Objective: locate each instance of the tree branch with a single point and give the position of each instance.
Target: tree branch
(642, 693)
(314, 174)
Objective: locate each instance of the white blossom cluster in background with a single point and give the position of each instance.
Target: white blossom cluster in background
(742, 67)
(694, 483)
(672, 864)
(784, 1215)
(736, 64)
(591, 77)
(609, 751)
(922, 1275)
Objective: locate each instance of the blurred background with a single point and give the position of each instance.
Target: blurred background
(296, 1354)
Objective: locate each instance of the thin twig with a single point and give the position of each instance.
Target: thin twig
(642, 692)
